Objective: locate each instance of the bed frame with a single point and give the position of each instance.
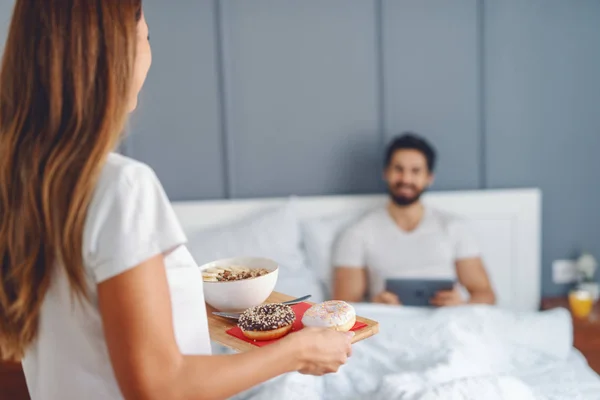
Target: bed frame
(507, 225)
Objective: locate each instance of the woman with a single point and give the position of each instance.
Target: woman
(99, 297)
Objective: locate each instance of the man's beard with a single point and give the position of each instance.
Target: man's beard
(404, 201)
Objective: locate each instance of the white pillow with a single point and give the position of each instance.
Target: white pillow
(319, 236)
(273, 233)
(300, 283)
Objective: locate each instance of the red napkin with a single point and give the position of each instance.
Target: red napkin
(299, 310)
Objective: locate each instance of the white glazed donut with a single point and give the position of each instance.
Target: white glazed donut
(334, 314)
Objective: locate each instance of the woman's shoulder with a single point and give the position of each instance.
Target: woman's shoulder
(123, 182)
(119, 169)
(129, 218)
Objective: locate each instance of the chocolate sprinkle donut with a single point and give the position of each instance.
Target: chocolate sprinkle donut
(266, 317)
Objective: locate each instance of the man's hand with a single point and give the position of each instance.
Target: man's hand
(386, 298)
(448, 298)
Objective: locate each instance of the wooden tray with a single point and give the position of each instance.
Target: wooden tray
(218, 327)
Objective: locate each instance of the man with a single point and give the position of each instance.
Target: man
(407, 239)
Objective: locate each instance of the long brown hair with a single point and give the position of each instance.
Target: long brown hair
(65, 84)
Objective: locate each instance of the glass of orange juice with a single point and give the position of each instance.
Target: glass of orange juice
(581, 303)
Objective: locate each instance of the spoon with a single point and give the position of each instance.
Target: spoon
(236, 315)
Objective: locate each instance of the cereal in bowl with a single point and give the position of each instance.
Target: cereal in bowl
(232, 273)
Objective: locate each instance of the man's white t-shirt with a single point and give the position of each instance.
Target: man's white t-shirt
(429, 251)
(130, 220)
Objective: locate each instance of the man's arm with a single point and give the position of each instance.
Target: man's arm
(473, 276)
(350, 284)
(469, 270)
(350, 272)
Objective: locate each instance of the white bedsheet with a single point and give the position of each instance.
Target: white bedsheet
(461, 353)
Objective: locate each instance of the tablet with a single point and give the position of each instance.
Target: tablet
(417, 292)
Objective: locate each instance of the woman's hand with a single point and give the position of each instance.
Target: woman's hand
(386, 298)
(321, 351)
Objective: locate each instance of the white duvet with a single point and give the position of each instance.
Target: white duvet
(461, 353)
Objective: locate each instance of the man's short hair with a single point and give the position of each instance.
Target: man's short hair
(411, 141)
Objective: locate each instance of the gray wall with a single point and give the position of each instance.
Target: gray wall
(254, 98)
(542, 115)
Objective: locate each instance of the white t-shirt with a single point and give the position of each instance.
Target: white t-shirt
(429, 251)
(130, 220)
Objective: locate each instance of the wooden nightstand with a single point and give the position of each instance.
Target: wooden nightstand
(586, 332)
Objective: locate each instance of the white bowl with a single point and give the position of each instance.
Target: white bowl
(243, 294)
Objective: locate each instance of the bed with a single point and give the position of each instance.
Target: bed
(510, 351)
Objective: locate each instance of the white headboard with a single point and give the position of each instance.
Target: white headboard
(506, 223)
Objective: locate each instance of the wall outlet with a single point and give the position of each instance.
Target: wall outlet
(564, 271)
